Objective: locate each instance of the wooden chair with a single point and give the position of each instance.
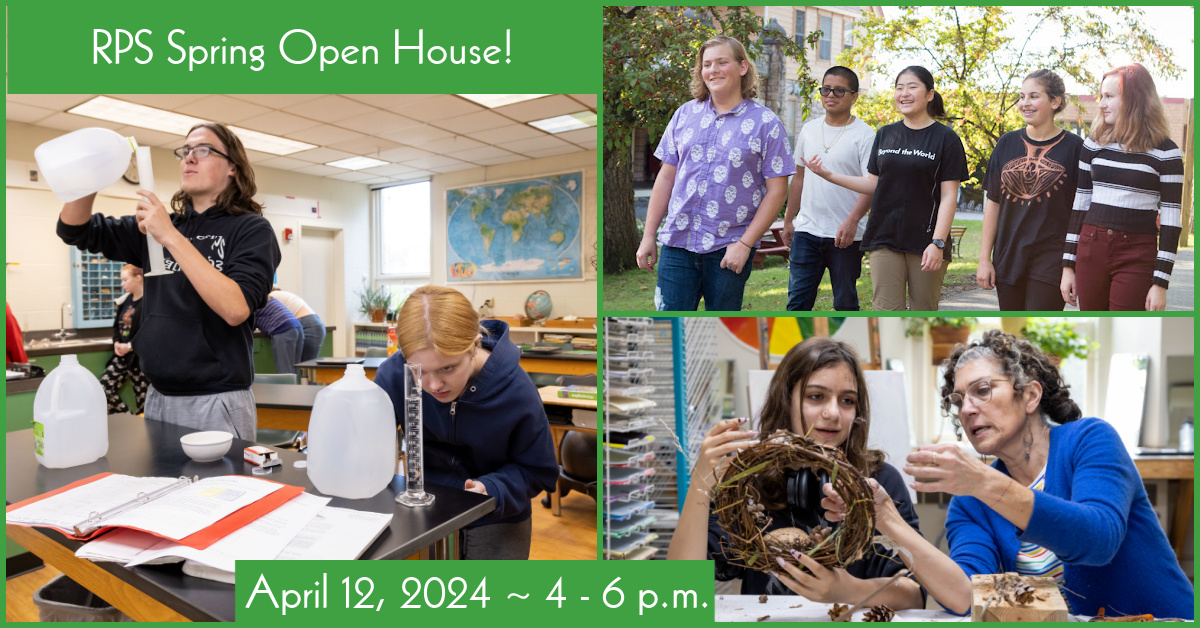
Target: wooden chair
(957, 234)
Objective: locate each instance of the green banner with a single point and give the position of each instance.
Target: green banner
(528, 592)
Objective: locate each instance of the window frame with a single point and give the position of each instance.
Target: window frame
(800, 23)
(825, 44)
(377, 236)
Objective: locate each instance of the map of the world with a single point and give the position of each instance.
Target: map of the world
(517, 230)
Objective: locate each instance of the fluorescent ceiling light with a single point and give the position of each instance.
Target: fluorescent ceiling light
(499, 100)
(122, 112)
(569, 122)
(356, 163)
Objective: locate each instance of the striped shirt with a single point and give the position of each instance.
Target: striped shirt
(1035, 560)
(1127, 191)
(274, 318)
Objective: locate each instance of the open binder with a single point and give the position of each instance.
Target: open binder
(189, 511)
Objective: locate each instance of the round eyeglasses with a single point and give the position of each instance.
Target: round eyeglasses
(199, 152)
(836, 91)
(980, 393)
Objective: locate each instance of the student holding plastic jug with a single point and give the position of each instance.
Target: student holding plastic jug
(485, 427)
(196, 333)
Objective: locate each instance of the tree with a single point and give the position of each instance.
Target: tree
(648, 57)
(979, 56)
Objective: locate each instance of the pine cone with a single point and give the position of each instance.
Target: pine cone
(879, 613)
(818, 535)
(1024, 593)
(837, 609)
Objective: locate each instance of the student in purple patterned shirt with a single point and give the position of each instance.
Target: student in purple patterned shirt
(726, 161)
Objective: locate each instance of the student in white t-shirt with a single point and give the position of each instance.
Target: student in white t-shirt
(824, 222)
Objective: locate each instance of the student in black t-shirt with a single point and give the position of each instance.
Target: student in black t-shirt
(818, 391)
(915, 167)
(1030, 186)
(124, 363)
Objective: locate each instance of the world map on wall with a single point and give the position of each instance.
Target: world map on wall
(517, 230)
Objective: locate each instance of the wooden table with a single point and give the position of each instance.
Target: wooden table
(561, 363)
(148, 448)
(1173, 468)
(319, 373)
(774, 245)
(558, 431)
(284, 406)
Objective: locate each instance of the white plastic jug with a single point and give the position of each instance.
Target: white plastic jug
(70, 417)
(84, 161)
(352, 437)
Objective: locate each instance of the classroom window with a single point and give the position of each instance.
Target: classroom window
(799, 28)
(825, 47)
(404, 236)
(847, 34)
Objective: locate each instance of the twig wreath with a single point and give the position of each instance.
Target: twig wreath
(754, 484)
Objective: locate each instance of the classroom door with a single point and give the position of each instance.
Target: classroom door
(320, 268)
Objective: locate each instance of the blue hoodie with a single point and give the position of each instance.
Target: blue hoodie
(496, 432)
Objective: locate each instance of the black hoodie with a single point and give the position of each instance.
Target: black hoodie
(185, 347)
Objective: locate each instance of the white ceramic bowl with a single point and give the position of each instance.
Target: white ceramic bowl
(206, 446)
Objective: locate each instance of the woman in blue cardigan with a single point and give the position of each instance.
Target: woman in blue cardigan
(1062, 500)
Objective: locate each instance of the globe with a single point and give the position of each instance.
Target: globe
(537, 306)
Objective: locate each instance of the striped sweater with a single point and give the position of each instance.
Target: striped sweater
(1126, 191)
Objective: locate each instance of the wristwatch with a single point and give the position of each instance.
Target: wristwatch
(941, 244)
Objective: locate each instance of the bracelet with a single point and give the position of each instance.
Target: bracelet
(744, 244)
(1003, 493)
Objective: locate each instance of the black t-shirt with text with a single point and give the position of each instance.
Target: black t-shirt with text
(911, 165)
(1034, 183)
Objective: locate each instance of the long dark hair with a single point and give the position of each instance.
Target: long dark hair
(238, 196)
(797, 366)
(935, 108)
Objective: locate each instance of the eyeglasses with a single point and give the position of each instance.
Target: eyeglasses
(836, 91)
(200, 152)
(980, 393)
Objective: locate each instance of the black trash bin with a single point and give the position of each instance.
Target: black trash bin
(63, 599)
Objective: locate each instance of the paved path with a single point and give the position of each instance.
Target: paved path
(1180, 296)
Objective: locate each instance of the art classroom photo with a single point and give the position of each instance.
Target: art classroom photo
(357, 311)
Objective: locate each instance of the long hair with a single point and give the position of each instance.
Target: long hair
(437, 317)
(935, 108)
(1023, 363)
(1141, 123)
(797, 366)
(238, 195)
(1052, 85)
(749, 81)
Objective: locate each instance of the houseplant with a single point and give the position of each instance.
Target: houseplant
(1058, 339)
(373, 302)
(945, 332)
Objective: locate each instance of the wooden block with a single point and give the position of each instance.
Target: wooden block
(1052, 608)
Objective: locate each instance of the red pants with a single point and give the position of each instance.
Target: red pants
(1114, 269)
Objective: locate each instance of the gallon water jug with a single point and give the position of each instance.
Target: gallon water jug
(70, 417)
(352, 437)
(83, 162)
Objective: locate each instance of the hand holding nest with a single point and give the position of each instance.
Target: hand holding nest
(947, 468)
(885, 509)
(723, 439)
(823, 584)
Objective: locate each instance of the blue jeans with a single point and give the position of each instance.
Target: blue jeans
(811, 255)
(286, 347)
(314, 337)
(684, 277)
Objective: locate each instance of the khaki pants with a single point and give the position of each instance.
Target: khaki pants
(892, 273)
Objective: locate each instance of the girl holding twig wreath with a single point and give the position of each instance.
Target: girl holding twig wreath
(1062, 500)
(818, 391)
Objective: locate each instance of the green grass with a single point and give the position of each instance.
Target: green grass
(767, 288)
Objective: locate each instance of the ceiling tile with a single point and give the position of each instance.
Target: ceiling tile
(436, 161)
(540, 108)
(389, 170)
(325, 135)
(320, 170)
(437, 108)
(508, 134)
(351, 176)
(476, 154)
(278, 123)
(590, 145)
(146, 137)
(452, 168)
(321, 155)
(537, 143)
(277, 101)
(404, 153)
(72, 122)
(367, 145)
(257, 157)
(449, 145)
(388, 101)
(587, 99)
(284, 163)
(578, 135)
(503, 159)
(378, 122)
(550, 152)
(222, 109)
(417, 135)
(414, 175)
(329, 109)
(478, 121)
(25, 113)
(57, 102)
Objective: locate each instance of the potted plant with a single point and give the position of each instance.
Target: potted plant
(373, 302)
(1057, 339)
(944, 331)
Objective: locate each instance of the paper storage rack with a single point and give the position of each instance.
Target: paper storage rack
(629, 466)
